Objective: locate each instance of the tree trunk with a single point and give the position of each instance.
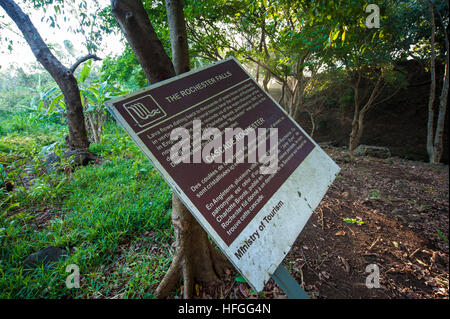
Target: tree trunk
(354, 140)
(300, 99)
(294, 97)
(266, 80)
(257, 73)
(178, 36)
(430, 124)
(263, 45)
(360, 112)
(313, 124)
(357, 138)
(281, 100)
(196, 259)
(439, 135)
(62, 75)
(135, 24)
(353, 143)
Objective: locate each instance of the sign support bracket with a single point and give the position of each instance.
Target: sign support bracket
(289, 285)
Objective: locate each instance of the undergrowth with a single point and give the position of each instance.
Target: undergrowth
(112, 218)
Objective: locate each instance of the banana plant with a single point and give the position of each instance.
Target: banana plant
(94, 94)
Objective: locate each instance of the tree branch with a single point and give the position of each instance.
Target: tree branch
(389, 97)
(264, 66)
(81, 60)
(373, 95)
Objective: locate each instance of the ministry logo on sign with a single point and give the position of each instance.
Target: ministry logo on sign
(144, 111)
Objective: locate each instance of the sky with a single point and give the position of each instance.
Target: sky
(21, 54)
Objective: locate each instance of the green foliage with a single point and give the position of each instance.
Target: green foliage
(84, 17)
(239, 278)
(94, 93)
(375, 194)
(124, 70)
(94, 214)
(442, 236)
(19, 89)
(23, 135)
(354, 221)
(302, 43)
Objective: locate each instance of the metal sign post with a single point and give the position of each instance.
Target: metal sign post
(289, 285)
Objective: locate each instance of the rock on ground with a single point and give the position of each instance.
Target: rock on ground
(374, 151)
(45, 256)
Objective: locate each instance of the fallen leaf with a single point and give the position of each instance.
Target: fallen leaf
(341, 233)
(345, 264)
(244, 290)
(324, 275)
(421, 262)
(197, 290)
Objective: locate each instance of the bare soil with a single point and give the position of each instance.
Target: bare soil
(403, 211)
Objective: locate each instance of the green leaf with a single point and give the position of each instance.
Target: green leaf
(442, 236)
(353, 221)
(53, 104)
(12, 206)
(336, 35)
(40, 105)
(85, 71)
(374, 35)
(46, 94)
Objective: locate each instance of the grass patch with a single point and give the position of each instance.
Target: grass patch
(112, 219)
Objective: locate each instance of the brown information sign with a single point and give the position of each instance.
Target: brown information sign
(242, 208)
